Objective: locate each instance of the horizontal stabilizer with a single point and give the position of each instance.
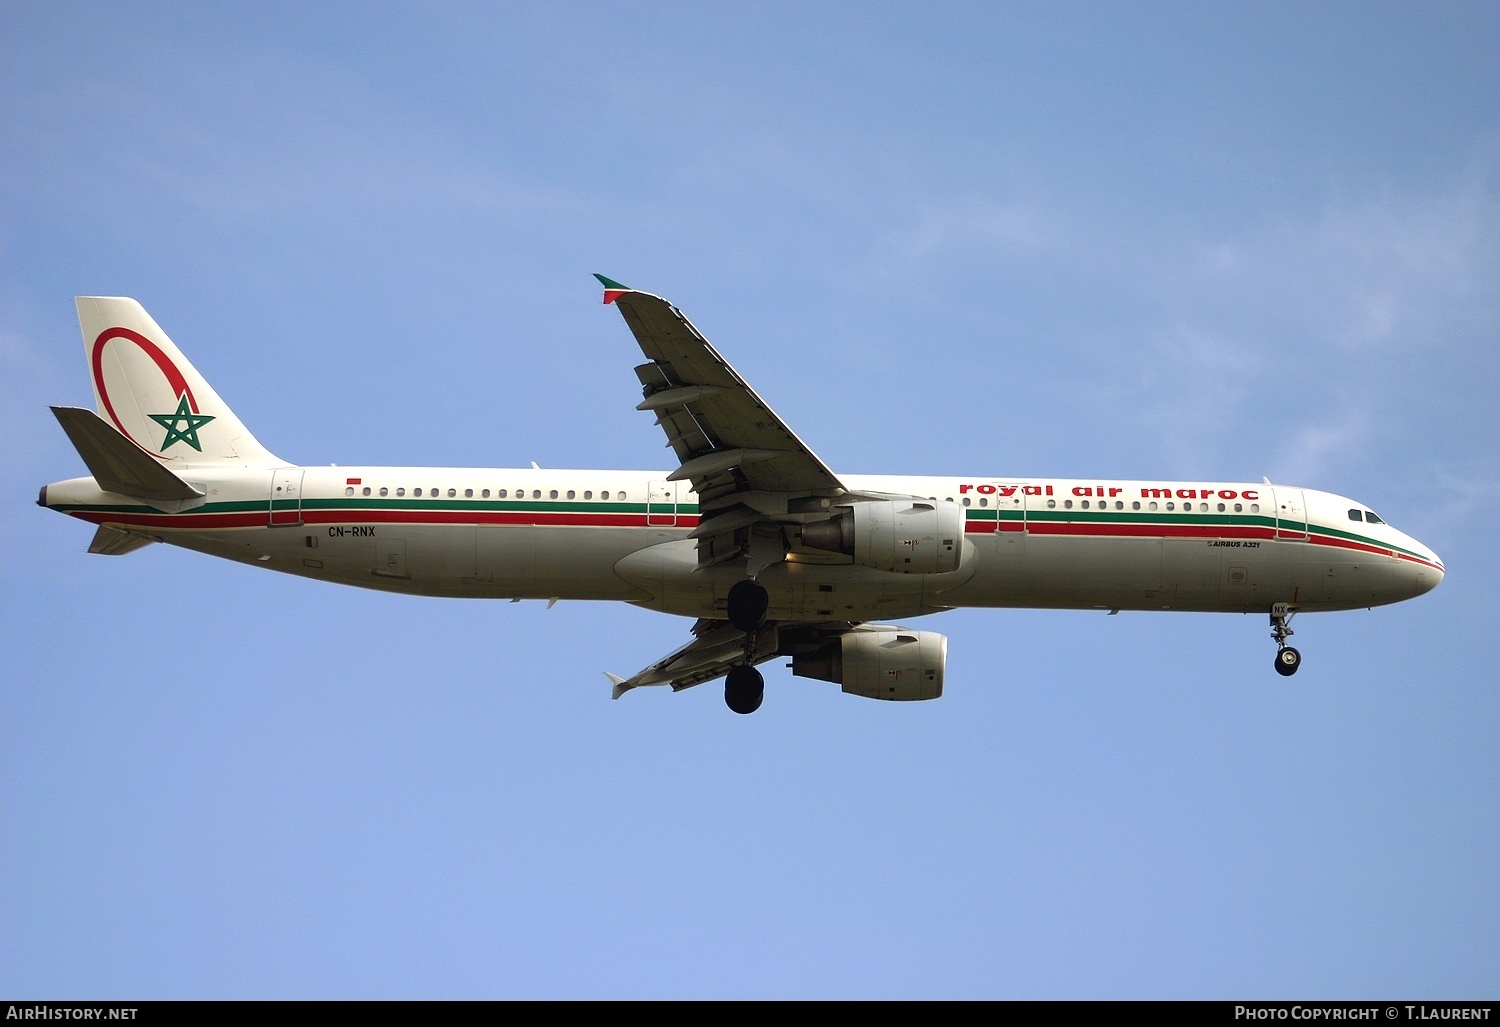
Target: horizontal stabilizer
(115, 542)
(119, 465)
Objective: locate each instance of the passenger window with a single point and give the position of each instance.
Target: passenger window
(552, 494)
(416, 492)
(500, 493)
(1153, 506)
(1238, 508)
(1085, 504)
(536, 493)
(604, 494)
(1170, 507)
(348, 491)
(1051, 504)
(1203, 508)
(383, 490)
(588, 494)
(983, 501)
(1136, 505)
(1067, 504)
(1255, 508)
(454, 492)
(400, 492)
(468, 493)
(1119, 504)
(485, 493)
(1370, 516)
(571, 493)
(367, 490)
(1221, 508)
(967, 502)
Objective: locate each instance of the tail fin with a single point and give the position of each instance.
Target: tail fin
(146, 388)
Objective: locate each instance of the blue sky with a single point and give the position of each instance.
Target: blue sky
(1148, 240)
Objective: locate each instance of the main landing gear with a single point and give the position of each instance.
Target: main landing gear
(747, 606)
(744, 688)
(1287, 658)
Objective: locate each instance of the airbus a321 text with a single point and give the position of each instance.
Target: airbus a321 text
(753, 536)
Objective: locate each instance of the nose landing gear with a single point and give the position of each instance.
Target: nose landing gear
(1287, 658)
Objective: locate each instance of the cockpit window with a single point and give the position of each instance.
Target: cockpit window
(1372, 518)
(1355, 515)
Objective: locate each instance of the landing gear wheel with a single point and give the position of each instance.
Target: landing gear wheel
(744, 688)
(1287, 662)
(748, 603)
(1287, 658)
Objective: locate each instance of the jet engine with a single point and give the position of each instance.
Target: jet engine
(880, 663)
(909, 536)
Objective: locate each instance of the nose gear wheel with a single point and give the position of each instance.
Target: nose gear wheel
(1287, 661)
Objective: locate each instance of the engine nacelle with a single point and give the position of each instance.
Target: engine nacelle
(884, 663)
(909, 536)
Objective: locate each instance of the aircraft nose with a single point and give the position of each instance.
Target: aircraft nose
(1429, 573)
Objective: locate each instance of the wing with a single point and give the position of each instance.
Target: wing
(751, 472)
(716, 647)
(729, 443)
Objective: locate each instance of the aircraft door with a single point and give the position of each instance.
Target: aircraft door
(1291, 515)
(390, 558)
(1009, 501)
(661, 503)
(286, 496)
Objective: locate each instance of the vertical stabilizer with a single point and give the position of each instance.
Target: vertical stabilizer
(146, 388)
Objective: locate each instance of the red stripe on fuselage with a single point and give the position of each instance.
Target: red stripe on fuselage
(1121, 530)
(258, 518)
(1344, 543)
(1077, 529)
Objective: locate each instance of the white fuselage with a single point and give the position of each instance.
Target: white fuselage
(623, 535)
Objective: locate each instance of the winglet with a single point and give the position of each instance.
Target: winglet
(620, 686)
(613, 290)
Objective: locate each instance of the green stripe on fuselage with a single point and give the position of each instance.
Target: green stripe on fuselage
(354, 504)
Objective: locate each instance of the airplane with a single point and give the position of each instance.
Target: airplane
(751, 534)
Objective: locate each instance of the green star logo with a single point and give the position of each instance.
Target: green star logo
(182, 425)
